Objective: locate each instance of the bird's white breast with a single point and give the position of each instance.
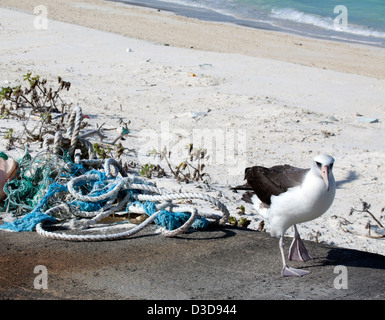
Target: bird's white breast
(300, 204)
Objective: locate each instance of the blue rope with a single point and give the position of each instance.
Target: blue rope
(174, 220)
(171, 220)
(97, 188)
(29, 221)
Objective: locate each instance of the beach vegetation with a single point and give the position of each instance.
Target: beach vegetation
(191, 168)
(374, 223)
(41, 99)
(233, 221)
(10, 137)
(188, 169)
(150, 171)
(43, 112)
(101, 151)
(8, 134)
(241, 209)
(37, 95)
(241, 222)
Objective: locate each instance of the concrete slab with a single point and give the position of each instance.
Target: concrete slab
(225, 263)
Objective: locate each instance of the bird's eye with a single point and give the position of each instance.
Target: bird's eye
(319, 165)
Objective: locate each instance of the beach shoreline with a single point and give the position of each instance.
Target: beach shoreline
(169, 29)
(262, 21)
(277, 98)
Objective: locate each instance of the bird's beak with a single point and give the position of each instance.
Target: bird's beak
(325, 175)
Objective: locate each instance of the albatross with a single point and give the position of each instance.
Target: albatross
(286, 196)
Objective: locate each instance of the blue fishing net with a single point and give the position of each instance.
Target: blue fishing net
(171, 220)
(174, 220)
(29, 221)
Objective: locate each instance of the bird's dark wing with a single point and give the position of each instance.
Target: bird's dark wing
(266, 182)
(247, 196)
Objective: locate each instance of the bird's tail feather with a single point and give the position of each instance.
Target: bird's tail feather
(261, 207)
(242, 187)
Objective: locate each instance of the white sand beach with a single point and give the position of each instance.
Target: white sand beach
(265, 98)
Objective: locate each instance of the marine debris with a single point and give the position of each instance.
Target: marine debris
(71, 184)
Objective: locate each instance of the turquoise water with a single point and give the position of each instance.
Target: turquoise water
(358, 20)
(365, 16)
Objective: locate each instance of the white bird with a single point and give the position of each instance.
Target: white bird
(286, 196)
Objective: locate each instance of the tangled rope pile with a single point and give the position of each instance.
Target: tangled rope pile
(59, 186)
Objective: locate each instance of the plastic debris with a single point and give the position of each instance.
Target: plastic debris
(368, 120)
(8, 170)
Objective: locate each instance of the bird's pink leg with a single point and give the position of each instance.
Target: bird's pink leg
(288, 271)
(297, 250)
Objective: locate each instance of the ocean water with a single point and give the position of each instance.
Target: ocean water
(360, 21)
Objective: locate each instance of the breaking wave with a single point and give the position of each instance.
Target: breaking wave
(323, 22)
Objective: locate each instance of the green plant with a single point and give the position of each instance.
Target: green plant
(8, 134)
(41, 99)
(191, 168)
(11, 139)
(146, 170)
(38, 95)
(241, 209)
(242, 222)
(102, 152)
(233, 221)
(149, 170)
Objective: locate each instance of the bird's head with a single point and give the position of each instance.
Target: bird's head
(323, 166)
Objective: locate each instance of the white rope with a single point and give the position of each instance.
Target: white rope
(73, 130)
(93, 177)
(120, 235)
(97, 237)
(161, 196)
(109, 163)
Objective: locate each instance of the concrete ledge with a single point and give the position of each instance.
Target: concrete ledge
(226, 263)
